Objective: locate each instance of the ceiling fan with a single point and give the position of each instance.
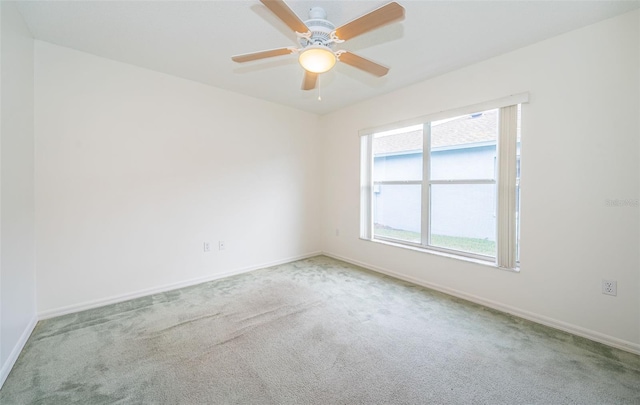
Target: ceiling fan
(318, 36)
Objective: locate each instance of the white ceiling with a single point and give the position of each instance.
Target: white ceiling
(196, 39)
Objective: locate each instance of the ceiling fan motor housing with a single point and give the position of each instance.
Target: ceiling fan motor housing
(319, 27)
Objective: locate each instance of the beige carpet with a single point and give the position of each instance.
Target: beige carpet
(316, 331)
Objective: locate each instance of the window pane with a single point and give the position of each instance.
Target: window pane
(464, 147)
(397, 155)
(396, 211)
(463, 217)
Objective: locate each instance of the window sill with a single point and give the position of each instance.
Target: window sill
(488, 263)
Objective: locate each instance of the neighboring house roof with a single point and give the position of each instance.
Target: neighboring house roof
(464, 130)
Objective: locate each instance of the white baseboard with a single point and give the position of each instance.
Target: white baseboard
(543, 320)
(51, 313)
(15, 353)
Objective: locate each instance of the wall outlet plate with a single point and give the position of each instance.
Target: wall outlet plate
(610, 287)
(221, 245)
(207, 247)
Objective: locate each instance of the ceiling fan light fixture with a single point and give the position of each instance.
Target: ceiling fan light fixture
(317, 59)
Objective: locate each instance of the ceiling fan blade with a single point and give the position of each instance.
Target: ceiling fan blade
(363, 64)
(377, 18)
(309, 81)
(261, 55)
(283, 12)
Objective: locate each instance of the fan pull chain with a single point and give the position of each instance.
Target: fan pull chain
(319, 95)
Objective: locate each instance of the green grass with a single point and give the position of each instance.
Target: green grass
(471, 245)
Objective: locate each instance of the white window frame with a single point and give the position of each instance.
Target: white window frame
(505, 180)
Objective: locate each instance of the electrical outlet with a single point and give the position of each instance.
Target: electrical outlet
(221, 245)
(610, 287)
(337, 232)
(207, 247)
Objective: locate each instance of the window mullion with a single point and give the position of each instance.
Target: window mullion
(464, 181)
(397, 182)
(426, 188)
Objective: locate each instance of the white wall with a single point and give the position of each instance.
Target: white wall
(580, 148)
(17, 267)
(136, 169)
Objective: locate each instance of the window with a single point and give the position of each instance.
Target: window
(449, 183)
